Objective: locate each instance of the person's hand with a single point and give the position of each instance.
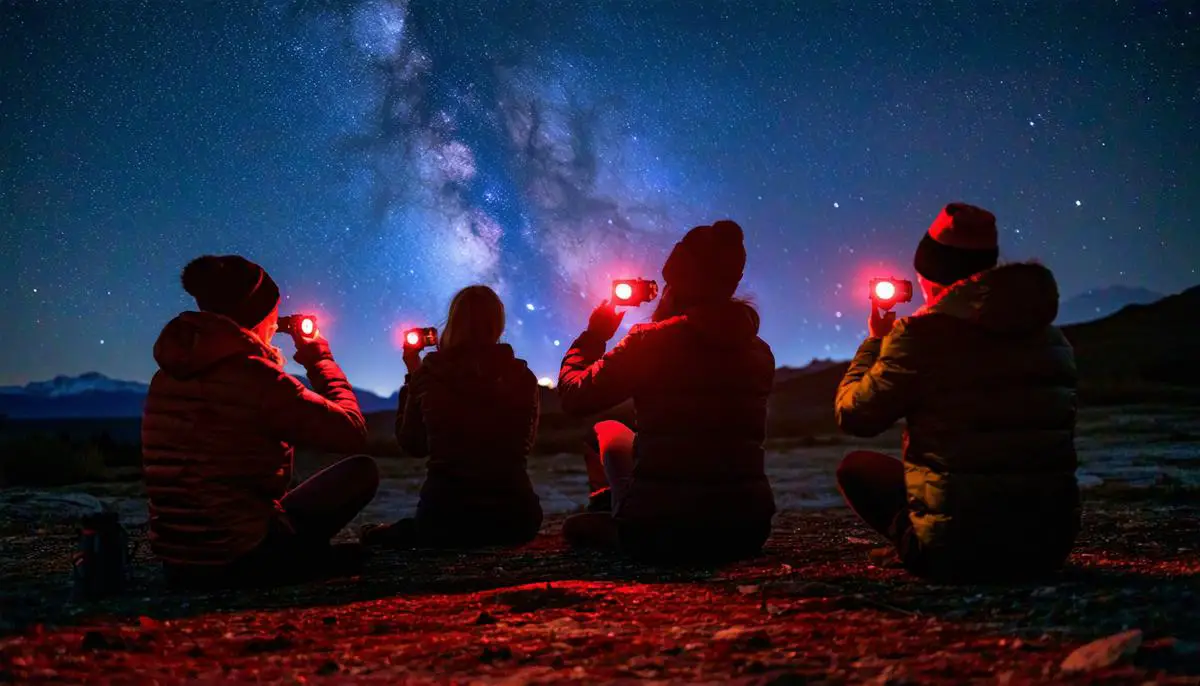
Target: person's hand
(605, 321)
(880, 324)
(312, 349)
(412, 359)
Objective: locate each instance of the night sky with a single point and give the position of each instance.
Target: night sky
(376, 156)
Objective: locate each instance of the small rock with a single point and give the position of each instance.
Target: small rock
(267, 645)
(729, 634)
(747, 589)
(485, 618)
(329, 667)
(491, 654)
(94, 640)
(759, 642)
(1103, 652)
(329, 620)
(1044, 592)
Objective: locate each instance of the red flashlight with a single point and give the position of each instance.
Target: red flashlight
(419, 339)
(887, 293)
(303, 325)
(633, 292)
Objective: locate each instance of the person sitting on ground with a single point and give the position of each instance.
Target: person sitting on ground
(472, 407)
(986, 384)
(690, 485)
(220, 425)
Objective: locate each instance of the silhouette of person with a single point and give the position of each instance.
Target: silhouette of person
(472, 407)
(986, 384)
(690, 484)
(219, 429)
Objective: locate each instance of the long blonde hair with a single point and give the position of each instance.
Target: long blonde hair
(476, 319)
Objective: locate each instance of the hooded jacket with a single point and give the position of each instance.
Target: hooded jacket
(218, 430)
(987, 386)
(474, 414)
(699, 383)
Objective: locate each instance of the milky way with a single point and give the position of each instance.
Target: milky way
(377, 155)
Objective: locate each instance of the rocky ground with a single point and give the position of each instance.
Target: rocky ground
(815, 608)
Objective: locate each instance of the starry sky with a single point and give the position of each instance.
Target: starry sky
(377, 155)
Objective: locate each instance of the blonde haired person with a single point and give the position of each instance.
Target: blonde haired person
(470, 407)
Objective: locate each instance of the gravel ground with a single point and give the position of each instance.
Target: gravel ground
(813, 609)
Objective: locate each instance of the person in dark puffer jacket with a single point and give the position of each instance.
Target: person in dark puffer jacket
(987, 487)
(219, 427)
(471, 407)
(690, 485)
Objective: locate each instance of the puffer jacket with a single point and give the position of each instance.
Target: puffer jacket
(474, 414)
(218, 430)
(987, 385)
(699, 384)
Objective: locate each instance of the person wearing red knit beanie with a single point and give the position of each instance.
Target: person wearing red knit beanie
(986, 489)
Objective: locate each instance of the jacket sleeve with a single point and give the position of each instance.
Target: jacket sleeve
(880, 385)
(410, 422)
(592, 381)
(326, 418)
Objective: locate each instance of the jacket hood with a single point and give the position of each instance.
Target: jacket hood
(1011, 298)
(195, 341)
(727, 324)
(492, 365)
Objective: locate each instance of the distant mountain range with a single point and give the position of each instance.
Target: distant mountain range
(1141, 353)
(1101, 302)
(95, 396)
(1134, 346)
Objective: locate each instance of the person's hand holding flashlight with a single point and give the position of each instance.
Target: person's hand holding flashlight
(311, 349)
(880, 323)
(412, 359)
(605, 321)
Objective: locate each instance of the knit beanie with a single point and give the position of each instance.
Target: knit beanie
(708, 263)
(960, 243)
(233, 286)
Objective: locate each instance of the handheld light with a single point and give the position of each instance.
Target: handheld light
(889, 292)
(419, 339)
(634, 292)
(303, 325)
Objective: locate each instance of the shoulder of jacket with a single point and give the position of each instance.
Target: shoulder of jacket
(906, 333)
(262, 371)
